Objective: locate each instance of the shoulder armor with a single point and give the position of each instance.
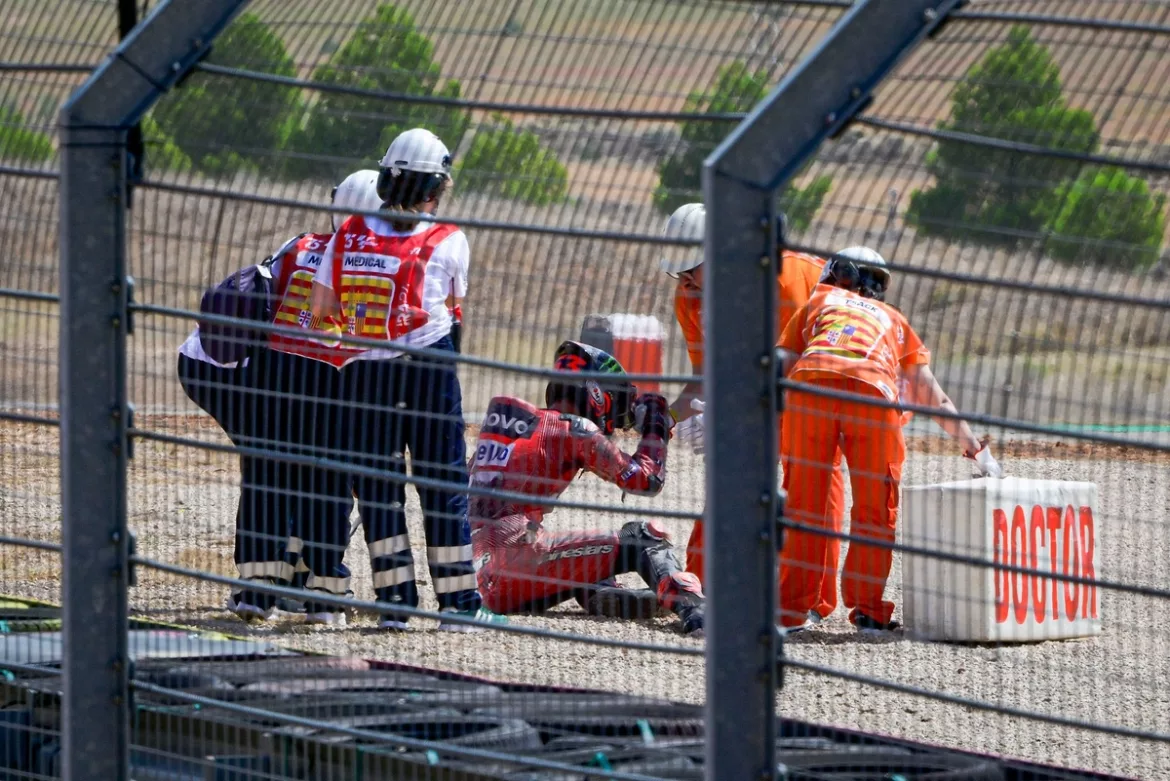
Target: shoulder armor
(511, 418)
(579, 426)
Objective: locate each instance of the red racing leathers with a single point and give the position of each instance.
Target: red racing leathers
(537, 453)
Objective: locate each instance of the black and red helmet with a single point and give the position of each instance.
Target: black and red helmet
(608, 403)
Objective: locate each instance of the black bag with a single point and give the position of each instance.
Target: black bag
(245, 295)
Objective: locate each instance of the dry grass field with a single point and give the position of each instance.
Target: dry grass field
(1037, 356)
(1042, 357)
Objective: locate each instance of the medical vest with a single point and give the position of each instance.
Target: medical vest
(297, 268)
(379, 280)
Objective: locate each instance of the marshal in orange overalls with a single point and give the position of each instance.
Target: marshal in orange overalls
(799, 274)
(860, 346)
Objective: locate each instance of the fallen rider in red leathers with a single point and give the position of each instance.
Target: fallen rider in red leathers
(523, 449)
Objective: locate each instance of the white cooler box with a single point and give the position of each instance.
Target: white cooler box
(1042, 525)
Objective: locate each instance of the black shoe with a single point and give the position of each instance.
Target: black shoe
(867, 625)
(618, 602)
(693, 617)
(246, 611)
(293, 605)
(254, 603)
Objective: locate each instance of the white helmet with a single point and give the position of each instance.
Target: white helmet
(860, 269)
(359, 192)
(417, 150)
(414, 169)
(689, 221)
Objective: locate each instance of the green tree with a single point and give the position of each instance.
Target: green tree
(511, 163)
(162, 153)
(20, 142)
(341, 131)
(999, 196)
(1109, 218)
(735, 89)
(801, 205)
(224, 123)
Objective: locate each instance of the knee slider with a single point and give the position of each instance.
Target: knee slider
(681, 588)
(636, 539)
(646, 549)
(650, 532)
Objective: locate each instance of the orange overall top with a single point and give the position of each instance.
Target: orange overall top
(799, 274)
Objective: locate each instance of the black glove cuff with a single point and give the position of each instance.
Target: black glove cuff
(656, 421)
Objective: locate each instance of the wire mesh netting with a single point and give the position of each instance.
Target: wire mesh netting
(41, 61)
(1012, 172)
(555, 207)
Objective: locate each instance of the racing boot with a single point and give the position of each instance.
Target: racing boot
(645, 547)
(683, 594)
(609, 599)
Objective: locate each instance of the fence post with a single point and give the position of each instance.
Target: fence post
(93, 127)
(741, 180)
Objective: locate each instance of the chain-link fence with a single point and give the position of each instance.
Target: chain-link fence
(1010, 172)
(43, 64)
(557, 119)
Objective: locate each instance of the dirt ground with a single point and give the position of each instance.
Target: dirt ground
(182, 502)
(1076, 360)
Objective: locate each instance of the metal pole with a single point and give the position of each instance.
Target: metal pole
(135, 146)
(741, 180)
(127, 17)
(93, 128)
(92, 395)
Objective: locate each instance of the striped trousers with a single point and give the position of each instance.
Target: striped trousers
(392, 407)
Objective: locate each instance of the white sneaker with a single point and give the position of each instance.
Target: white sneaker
(813, 619)
(247, 613)
(326, 619)
(393, 624)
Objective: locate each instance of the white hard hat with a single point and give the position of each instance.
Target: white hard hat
(358, 191)
(417, 150)
(689, 221)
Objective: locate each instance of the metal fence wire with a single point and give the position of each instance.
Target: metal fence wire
(1011, 173)
(548, 112)
(297, 527)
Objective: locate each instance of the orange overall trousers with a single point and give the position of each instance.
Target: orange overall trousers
(799, 276)
(870, 438)
(834, 511)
